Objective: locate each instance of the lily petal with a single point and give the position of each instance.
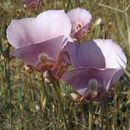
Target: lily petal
(54, 23)
(83, 55)
(98, 53)
(21, 32)
(47, 25)
(113, 54)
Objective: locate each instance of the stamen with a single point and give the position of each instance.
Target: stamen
(93, 87)
(43, 57)
(44, 62)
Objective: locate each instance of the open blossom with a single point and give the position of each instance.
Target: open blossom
(38, 41)
(31, 3)
(80, 20)
(97, 65)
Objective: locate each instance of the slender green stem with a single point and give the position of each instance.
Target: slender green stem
(90, 116)
(45, 93)
(128, 119)
(77, 3)
(109, 7)
(44, 87)
(55, 85)
(7, 77)
(38, 7)
(102, 114)
(68, 4)
(115, 112)
(60, 104)
(32, 94)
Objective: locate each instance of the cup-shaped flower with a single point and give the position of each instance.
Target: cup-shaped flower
(42, 56)
(31, 3)
(97, 65)
(38, 40)
(92, 83)
(80, 20)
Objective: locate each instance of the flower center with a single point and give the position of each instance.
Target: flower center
(44, 62)
(77, 26)
(93, 87)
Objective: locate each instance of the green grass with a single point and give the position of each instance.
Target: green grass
(28, 103)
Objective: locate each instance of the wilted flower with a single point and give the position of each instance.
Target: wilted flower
(38, 41)
(31, 3)
(80, 19)
(97, 65)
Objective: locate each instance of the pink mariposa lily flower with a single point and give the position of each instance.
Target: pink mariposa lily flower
(96, 66)
(38, 41)
(80, 20)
